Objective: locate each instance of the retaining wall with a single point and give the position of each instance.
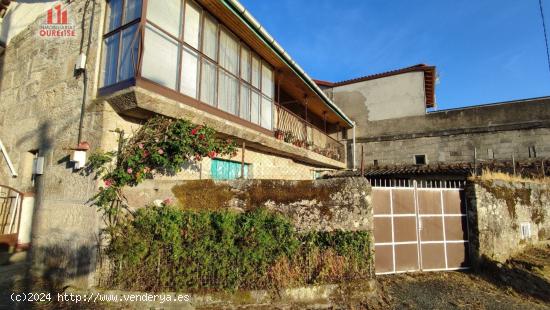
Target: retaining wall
(497, 210)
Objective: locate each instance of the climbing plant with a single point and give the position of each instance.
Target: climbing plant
(162, 146)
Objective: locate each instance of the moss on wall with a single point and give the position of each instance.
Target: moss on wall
(203, 195)
(210, 195)
(510, 195)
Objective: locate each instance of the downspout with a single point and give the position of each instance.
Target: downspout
(8, 160)
(84, 71)
(353, 148)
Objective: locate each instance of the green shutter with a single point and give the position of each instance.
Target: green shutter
(227, 170)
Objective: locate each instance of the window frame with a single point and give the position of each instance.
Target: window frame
(117, 31)
(202, 56)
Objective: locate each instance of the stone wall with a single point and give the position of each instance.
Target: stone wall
(40, 108)
(496, 131)
(320, 205)
(497, 210)
(500, 145)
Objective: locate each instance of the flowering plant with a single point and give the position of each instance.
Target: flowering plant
(161, 146)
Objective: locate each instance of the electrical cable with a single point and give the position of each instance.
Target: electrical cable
(545, 35)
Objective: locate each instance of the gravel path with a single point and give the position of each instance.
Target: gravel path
(522, 283)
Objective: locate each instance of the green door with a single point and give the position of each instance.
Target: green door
(227, 170)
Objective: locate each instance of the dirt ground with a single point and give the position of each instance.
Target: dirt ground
(521, 283)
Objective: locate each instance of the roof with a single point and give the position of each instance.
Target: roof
(429, 80)
(525, 167)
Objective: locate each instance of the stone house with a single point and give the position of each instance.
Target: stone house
(74, 71)
(414, 132)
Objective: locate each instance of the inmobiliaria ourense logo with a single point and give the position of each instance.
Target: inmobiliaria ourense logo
(57, 24)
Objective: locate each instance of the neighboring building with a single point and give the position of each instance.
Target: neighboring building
(75, 71)
(397, 124)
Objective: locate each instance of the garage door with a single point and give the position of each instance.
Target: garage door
(419, 227)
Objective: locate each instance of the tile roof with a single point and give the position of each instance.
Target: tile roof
(527, 167)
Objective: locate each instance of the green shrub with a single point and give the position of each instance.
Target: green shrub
(166, 248)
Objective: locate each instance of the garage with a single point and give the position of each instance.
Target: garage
(419, 226)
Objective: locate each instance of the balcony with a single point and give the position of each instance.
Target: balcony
(295, 130)
(198, 68)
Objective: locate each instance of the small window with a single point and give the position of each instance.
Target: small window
(160, 58)
(266, 113)
(532, 152)
(166, 14)
(191, 29)
(420, 159)
(255, 71)
(267, 81)
(375, 163)
(120, 47)
(490, 154)
(525, 230)
(244, 106)
(208, 82)
(255, 107)
(210, 37)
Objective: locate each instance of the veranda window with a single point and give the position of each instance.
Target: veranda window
(120, 42)
(186, 50)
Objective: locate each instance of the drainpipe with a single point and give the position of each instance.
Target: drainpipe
(353, 146)
(8, 160)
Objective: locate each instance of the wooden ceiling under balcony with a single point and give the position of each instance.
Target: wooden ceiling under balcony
(290, 82)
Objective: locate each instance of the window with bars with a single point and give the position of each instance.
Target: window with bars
(185, 49)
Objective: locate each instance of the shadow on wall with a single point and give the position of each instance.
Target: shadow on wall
(473, 229)
(61, 262)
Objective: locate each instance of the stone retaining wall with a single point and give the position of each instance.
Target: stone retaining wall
(497, 210)
(320, 205)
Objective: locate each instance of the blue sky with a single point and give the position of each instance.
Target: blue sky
(485, 51)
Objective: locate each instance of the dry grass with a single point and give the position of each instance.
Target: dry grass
(489, 175)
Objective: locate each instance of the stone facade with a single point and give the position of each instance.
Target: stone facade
(40, 114)
(459, 148)
(497, 211)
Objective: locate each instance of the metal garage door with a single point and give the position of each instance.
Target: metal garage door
(418, 227)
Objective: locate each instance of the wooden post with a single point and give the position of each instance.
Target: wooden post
(514, 163)
(325, 120)
(305, 123)
(475, 161)
(242, 160)
(362, 163)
